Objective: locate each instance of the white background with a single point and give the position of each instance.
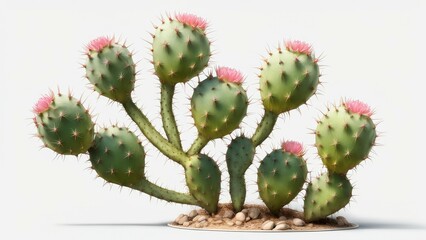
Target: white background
(374, 52)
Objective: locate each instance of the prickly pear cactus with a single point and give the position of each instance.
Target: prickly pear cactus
(181, 51)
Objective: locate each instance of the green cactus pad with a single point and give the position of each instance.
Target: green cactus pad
(203, 179)
(218, 107)
(326, 195)
(344, 139)
(287, 80)
(111, 71)
(239, 157)
(65, 126)
(118, 156)
(280, 178)
(180, 51)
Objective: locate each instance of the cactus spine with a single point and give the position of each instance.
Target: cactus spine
(180, 52)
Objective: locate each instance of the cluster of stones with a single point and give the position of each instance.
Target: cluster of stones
(248, 216)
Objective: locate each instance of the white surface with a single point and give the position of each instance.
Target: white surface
(371, 51)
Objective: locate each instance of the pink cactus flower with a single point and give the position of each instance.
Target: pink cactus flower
(298, 47)
(43, 103)
(293, 147)
(356, 106)
(99, 43)
(192, 20)
(229, 74)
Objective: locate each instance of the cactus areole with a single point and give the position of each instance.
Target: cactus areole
(180, 49)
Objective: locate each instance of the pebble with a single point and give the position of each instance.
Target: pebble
(210, 219)
(253, 213)
(228, 214)
(310, 225)
(281, 222)
(202, 212)
(282, 218)
(218, 222)
(298, 222)
(341, 221)
(177, 219)
(240, 217)
(238, 223)
(183, 219)
(268, 225)
(204, 224)
(193, 213)
(230, 223)
(281, 226)
(202, 218)
(197, 225)
(186, 224)
(245, 211)
(248, 219)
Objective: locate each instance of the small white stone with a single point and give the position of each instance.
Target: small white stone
(228, 214)
(248, 219)
(268, 225)
(192, 213)
(218, 222)
(202, 218)
(253, 213)
(197, 225)
(183, 219)
(341, 221)
(185, 224)
(230, 223)
(177, 219)
(298, 222)
(240, 217)
(280, 222)
(282, 218)
(204, 224)
(281, 226)
(238, 223)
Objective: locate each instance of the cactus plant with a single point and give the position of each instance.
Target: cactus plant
(180, 50)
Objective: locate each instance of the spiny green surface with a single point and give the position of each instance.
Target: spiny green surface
(344, 139)
(280, 178)
(66, 127)
(180, 52)
(326, 195)
(218, 107)
(118, 156)
(239, 157)
(287, 80)
(203, 180)
(112, 72)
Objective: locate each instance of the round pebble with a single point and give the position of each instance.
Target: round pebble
(341, 221)
(238, 223)
(268, 225)
(253, 213)
(192, 214)
(202, 218)
(177, 219)
(240, 217)
(186, 224)
(183, 219)
(197, 225)
(230, 223)
(281, 226)
(228, 214)
(298, 222)
(218, 222)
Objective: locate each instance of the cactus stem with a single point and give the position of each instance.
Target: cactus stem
(264, 128)
(168, 118)
(199, 143)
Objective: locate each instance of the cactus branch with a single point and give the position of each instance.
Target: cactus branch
(199, 143)
(265, 127)
(152, 134)
(169, 122)
(165, 194)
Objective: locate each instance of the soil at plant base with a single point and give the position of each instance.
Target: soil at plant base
(256, 217)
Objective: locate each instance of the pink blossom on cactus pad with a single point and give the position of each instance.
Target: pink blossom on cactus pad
(43, 103)
(229, 75)
(192, 20)
(356, 106)
(293, 147)
(99, 43)
(298, 46)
